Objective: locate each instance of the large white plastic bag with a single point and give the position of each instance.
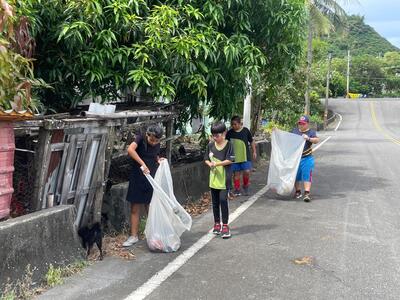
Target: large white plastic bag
(285, 159)
(167, 219)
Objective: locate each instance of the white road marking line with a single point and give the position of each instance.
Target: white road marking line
(154, 282)
(329, 137)
(323, 142)
(340, 122)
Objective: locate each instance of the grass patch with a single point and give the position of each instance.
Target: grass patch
(54, 276)
(24, 288)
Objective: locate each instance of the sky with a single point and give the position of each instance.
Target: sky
(382, 15)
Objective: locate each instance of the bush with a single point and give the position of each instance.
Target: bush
(54, 276)
(272, 124)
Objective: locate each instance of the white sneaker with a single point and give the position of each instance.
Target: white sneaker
(130, 241)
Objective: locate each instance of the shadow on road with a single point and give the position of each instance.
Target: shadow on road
(251, 229)
(337, 182)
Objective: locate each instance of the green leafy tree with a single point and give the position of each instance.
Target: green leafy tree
(16, 69)
(191, 52)
(324, 16)
(184, 51)
(280, 32)
(359, 38)
(367, 75)
(290, 104)
(391, 61)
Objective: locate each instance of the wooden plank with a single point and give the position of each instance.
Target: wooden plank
(22, 132)
(91, 186)
(65, 122)
(61, 174)
(72, 131)
(94, 201)
(69, 169)
(70, 195)
(169, 135)
(42, 160)
(55, 162)
(130, 114)
(96, 130)
(84, 199)
(57, 147)
(81, 178)
(80, 145)
(79, 123)
(28, 123)
(109, 151)
(104, 173)
(147, 122)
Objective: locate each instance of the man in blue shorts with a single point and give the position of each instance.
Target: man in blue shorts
(306, 167)
(241, 139)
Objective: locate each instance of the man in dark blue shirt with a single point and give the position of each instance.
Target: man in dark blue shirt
(306, 167)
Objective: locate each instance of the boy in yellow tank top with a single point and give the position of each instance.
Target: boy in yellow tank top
(218, 157)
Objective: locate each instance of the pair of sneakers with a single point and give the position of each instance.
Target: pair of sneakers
(130, 241)
(306, 197)
(223, 231)
(237, 193)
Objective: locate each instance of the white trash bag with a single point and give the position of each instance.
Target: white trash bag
(167, 219)
(285, 159)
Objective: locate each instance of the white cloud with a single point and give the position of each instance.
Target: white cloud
(382, 15)
(376, 10)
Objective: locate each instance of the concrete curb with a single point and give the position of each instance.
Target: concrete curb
(38, 239)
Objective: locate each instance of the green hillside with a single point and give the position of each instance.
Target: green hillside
(360, 38)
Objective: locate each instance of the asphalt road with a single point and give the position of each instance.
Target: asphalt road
(349, 233)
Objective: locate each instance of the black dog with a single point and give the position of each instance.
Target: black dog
(91, 235)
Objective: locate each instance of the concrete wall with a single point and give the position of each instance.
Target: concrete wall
(190, 182)
(38, 239)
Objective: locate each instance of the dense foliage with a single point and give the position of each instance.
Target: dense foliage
(360, 38)
(186, 51)
(369, 75)
(16, 70)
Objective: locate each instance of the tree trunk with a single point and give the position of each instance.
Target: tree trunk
(309, 63)
(256, 113)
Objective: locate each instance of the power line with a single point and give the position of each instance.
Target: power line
(376, 78)
(367, 77)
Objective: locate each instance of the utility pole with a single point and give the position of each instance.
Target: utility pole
(348, 75)
(328, 77)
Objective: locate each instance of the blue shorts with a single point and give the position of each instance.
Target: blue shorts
(306, 167)
(242, 166)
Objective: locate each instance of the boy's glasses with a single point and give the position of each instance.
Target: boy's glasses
(216, 135)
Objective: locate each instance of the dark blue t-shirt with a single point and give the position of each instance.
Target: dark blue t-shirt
(307, 147)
